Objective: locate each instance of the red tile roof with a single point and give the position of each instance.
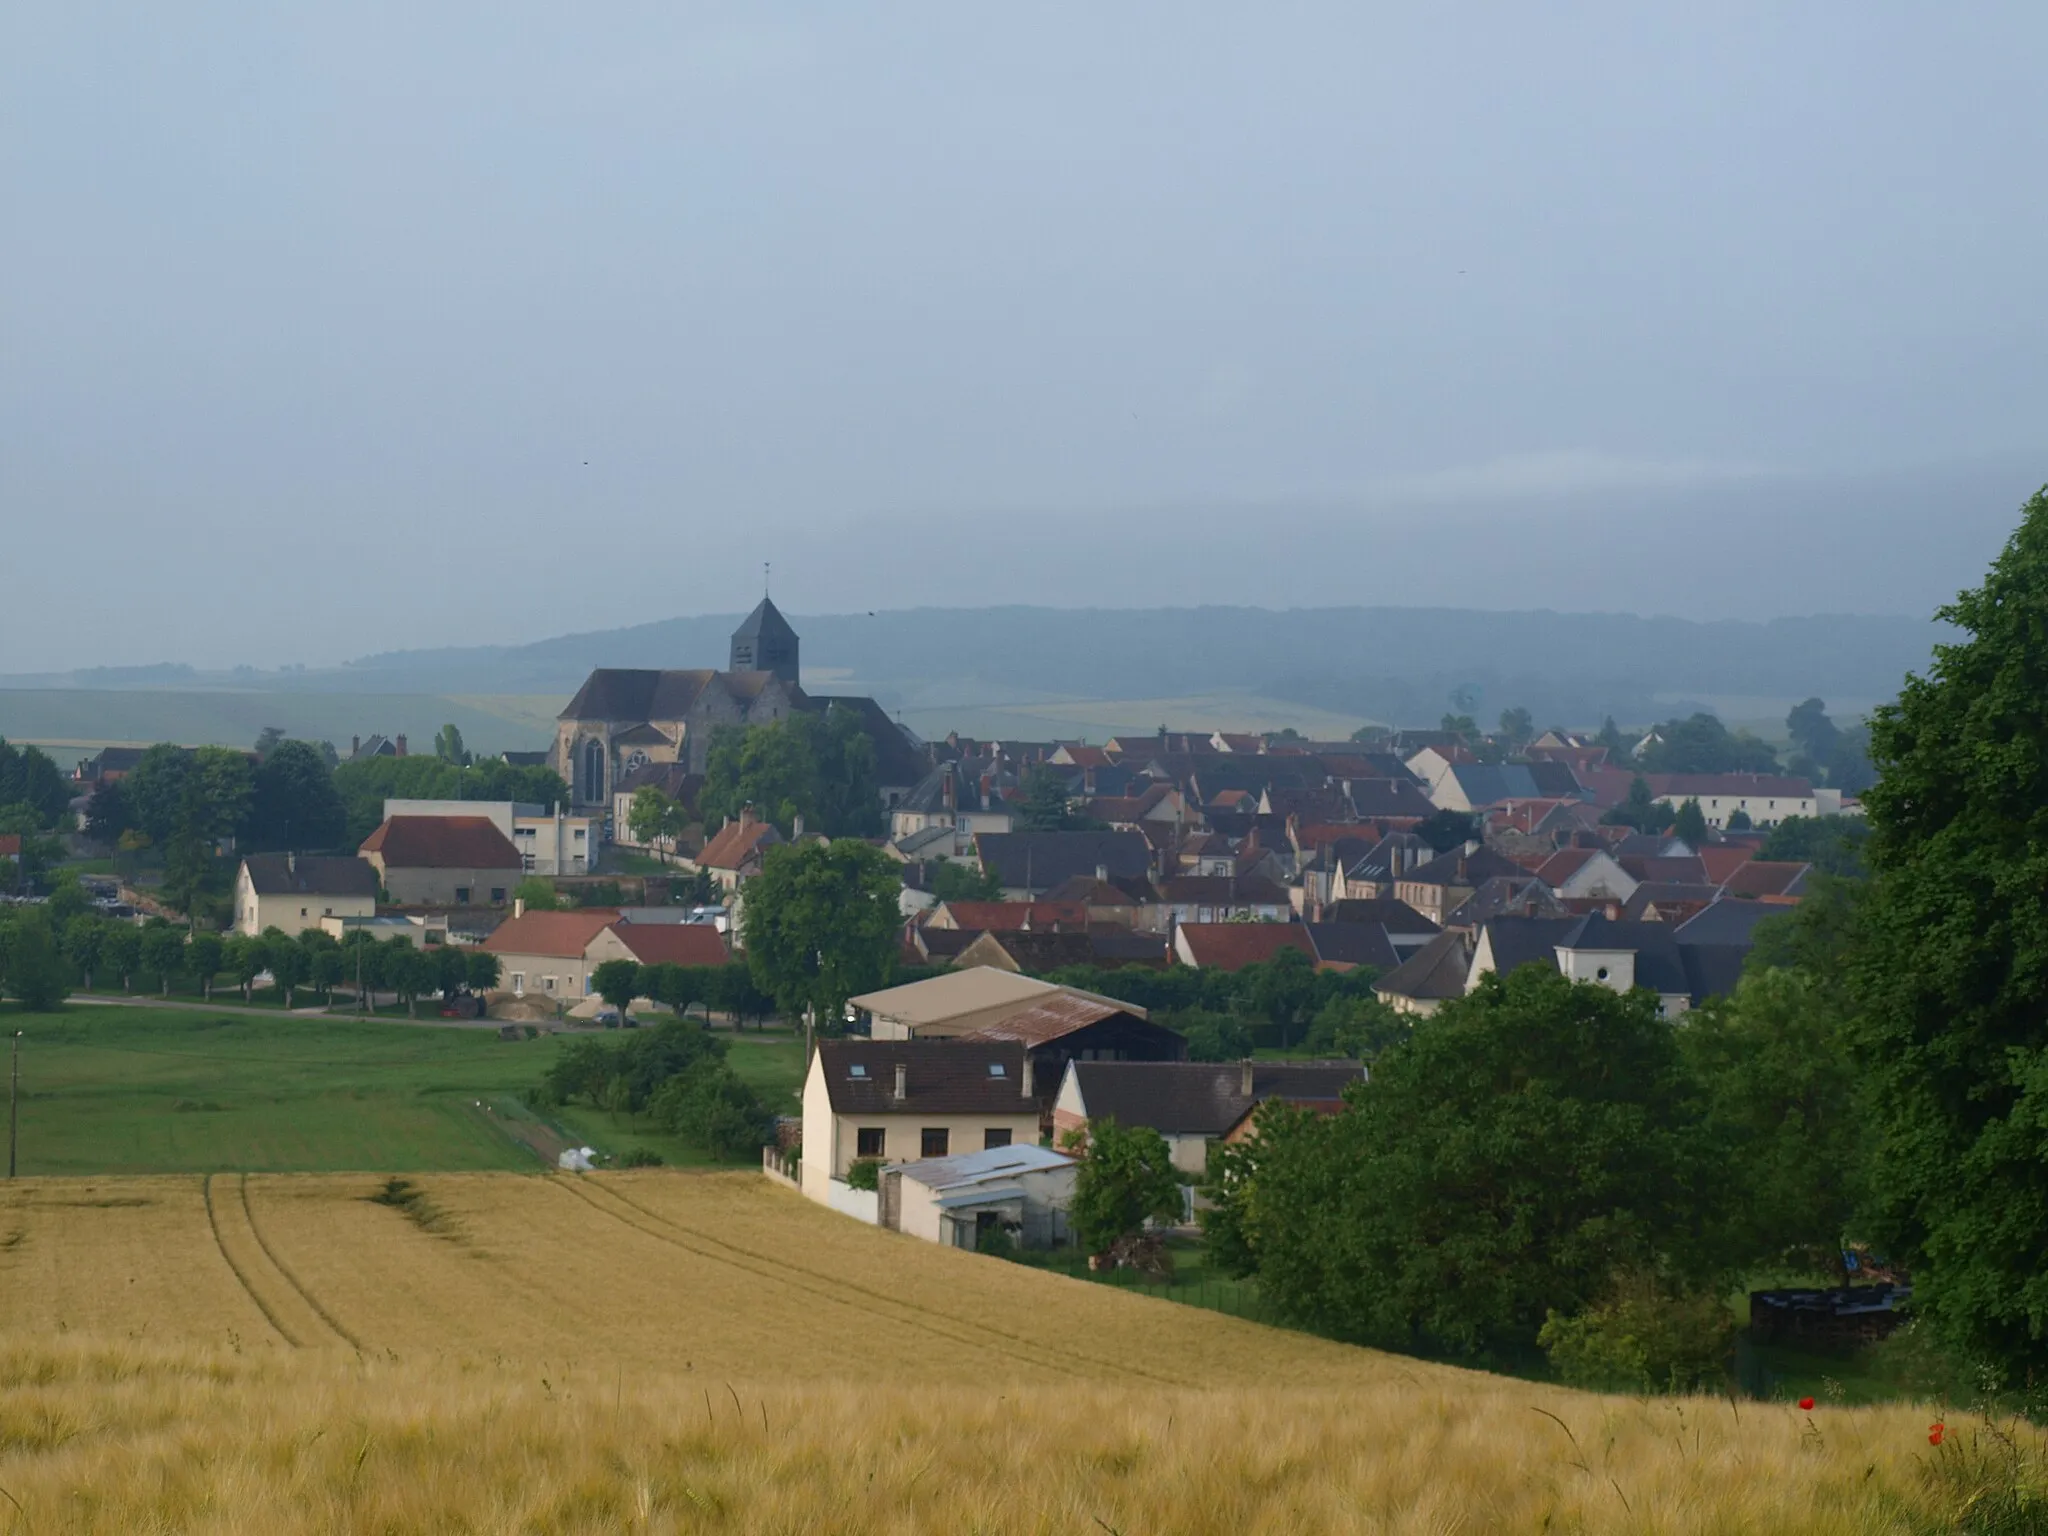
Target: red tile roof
(442, 842)
(1233, 946)
(1721, 860)
(1761, 877)
(564, 934)
(694, 944)
(10, 846)
(734, 843)
(1014, 916)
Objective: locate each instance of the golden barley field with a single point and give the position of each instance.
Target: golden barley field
(667, 1352)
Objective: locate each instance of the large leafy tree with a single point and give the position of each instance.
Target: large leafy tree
(1525, 1143)
(773, 767)
(1125, 1180)
(1700, 743)
(28, 777)
(365, 785)
(1951, 969)
(296, 803)
(821, 924)
(32, 968)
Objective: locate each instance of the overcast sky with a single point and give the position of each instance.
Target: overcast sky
(336, 329)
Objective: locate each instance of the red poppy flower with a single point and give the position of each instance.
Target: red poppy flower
(1806, 1403)
(1935, 1431)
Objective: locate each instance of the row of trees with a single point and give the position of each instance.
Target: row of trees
(729, 989)
(364, 786)
(676, 1073)
(50, 953)
(1282, 1003)
(33, 791)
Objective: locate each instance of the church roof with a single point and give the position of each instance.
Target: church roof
(638, 694)
(765, 623)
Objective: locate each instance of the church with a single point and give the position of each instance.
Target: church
(624, 718)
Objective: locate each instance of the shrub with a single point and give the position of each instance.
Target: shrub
(641, 1157)
(1643, 1338)
(865, 1174)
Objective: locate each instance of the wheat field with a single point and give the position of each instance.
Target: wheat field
(666, 1352)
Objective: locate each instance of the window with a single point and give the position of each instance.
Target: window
(997, 1069)
(995, 1138)
(580, 834)
(519, 983)
(462, 895)
(869, 1141)
(857, 1072)
(497, 895)
(526, 863)
(327, 911)
(549, 983)
(933, 1141)
(302, 911)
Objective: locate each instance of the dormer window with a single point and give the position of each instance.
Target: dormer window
(857, 1070)
(996, 1069)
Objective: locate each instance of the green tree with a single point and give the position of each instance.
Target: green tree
(1611, 738)
(820, 924)
(1524, 1143)
(194, 877)
(1043, 803)
(1814, 737)
(537, 892)
(29, 778)
(242, 958)
(655, 819)
(1125, 1179)
(1283, 992)
(1738, 820)
(296, 804)
(1951, 963)
(205, 955)
(1517, 727)
(849, 791)
(121, 953)
(1700, 743)
(1690, 823)
(31, 965)
(1781, 1088)
(108, 814)
(1461, 725)
(163, 953)
(1447, 829)
(951, 881)
(267, 740)
(772, 767)
(712, 1108)
(448, 746)
(617, 982)
(1638, 810)
(484, 971)
(155, 790)
(85, 943)
(289, 962)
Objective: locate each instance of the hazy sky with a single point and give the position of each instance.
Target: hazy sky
(330, 330)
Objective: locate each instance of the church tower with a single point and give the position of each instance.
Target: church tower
(764, 642)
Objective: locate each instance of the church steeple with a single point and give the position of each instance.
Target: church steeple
(764, 642)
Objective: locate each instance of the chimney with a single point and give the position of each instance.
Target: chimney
(1102, 873)
(518, 906)
(355, 745)
(796, 826)
(948, 797)
(1244, 1080)
(401, 746)
(747, 815)
(1029, 1080)
(902, 1082)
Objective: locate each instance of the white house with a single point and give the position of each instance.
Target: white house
(294, 891)
(1023, 1190)
(1765, 798)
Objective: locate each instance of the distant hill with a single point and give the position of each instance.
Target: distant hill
(1401, 665)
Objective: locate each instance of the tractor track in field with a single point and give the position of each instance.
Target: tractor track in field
(213, 1224)
(291, 1279)
(812, 1282)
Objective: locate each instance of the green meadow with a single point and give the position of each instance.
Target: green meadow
(107, 1089)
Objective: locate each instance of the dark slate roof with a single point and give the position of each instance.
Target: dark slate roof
(1712, 970)
(1389, 797)
(1201, 1098)
(1519, 941)
(1461, 868)
(1438, 970)
(1728, 921)
(525, 759)
(1395, 916)
(1505, 896)
(928, 795)
(1555, 781)
(1353, 944)
(942, 1077)
(1379, 864)
(1123, 946)
(272, 875)
(637, 694)
(765, 623)
(1041, 950)
(1222, 891)
(1042, 860)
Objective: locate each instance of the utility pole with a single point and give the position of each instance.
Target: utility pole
(13, 1103)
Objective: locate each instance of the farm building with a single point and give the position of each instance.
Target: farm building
(1021, 1190)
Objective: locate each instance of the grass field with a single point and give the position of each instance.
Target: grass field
(160, 1090)
(680, 1352)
